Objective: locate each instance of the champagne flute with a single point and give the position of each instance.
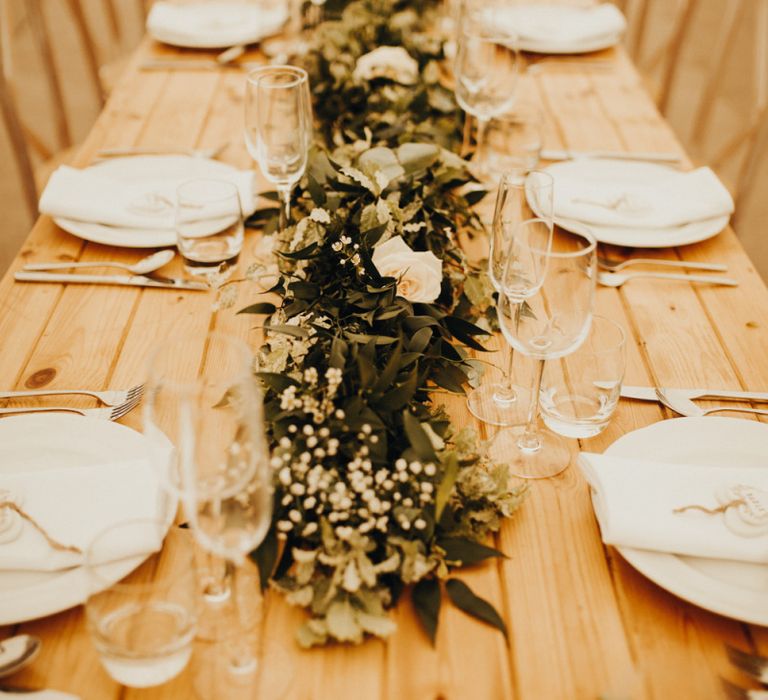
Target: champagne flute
(554, 323)
(486, 69)
(504, 403)
(213, 413)
(278, 127)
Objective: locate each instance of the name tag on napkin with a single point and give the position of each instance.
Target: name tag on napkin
(703, 511)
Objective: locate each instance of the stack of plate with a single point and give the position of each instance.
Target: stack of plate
(561, 29)
(638, 204)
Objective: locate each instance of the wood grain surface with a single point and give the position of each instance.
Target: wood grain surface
(582, 622)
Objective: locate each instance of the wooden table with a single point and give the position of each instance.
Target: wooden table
(583, 623)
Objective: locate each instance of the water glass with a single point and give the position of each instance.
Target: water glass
(209, 226)
(580, 393)
(515, 139)
(142, 625)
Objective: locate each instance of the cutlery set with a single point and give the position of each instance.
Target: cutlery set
(609, 272)
(118, 402)
(681, 400)
(141, 273)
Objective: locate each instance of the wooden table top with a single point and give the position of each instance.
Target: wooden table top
(583, 623)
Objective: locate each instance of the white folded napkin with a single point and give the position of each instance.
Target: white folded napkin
(635, 501)
(674, 199)
(87, 195)
(560, 24)
(214, 23)
(73, 506)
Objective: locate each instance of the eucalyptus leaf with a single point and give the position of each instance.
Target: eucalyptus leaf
(463, 598)
(426, 597)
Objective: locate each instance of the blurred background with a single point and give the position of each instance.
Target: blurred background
(704, 61)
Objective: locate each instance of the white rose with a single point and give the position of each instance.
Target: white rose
(418, 275)
(392, 62)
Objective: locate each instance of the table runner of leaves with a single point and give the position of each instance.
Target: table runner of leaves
(376, 490)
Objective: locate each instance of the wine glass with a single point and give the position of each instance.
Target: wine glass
(505, 403)
(212, 411)
(544, 317)
(486, 69)
(278, 127)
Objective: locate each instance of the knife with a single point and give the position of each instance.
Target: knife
(648, 393)
(563, 154)
(124, 280)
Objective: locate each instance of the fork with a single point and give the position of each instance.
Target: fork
(751, 664)
(735, 692)
(108, 398)
(691, 410)
(616, 279)
(102, 413)
(618, 265)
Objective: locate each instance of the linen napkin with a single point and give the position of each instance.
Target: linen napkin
(73, 506)
(214, 23)
(635, 500)
(87, 195)
(673, 199)
(561, 24)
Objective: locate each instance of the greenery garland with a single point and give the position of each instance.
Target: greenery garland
(375, 489)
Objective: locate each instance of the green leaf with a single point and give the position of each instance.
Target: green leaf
(474, 196)
(463, 598)
(420, 443)
(294, 331)
(316, 191)
(466, 551)
(278, 382)
(339, 350)
(390, 371)
(450, 472)
(426, 598)
(417, 156)
(449, 377)
(420, 339)
(303, 254)
(265, 557)
(304, 290)
(399, 397)
(262, 308)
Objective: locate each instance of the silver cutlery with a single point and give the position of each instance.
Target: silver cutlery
(231, 54)
(196, 64)
(752, 664)
(649, 393)
(124, 280)
(616, 279)
(618, 265)
(567, 154)
(101, 413)
(207, 153)
(108, 398)
(539, 66)
(691, 410)
(144, 266)
(735, 692)
(16, 652)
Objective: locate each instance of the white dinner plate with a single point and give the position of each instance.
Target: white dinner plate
(737, 590)
(610, 170)
(214, 25)
(563, 29)
(133, 170)
(37, 442)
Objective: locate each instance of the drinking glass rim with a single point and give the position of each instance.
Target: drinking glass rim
(508, 175)
(105, 583)
(234, 190)
(622, 334)
(299, 74)
(564, 255)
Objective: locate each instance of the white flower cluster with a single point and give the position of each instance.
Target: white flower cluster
(355, 496)
(349, 252)
(315, 401)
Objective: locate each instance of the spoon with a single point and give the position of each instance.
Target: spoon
(143, 267)
(231, 54)
(17, 652)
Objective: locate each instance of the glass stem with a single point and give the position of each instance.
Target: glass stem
(508, 385)
(480, 150)
(285, 206)
(242, 657)
(530, 441)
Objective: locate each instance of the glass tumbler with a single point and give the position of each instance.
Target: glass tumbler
(580, 393)
(142, 611)
(209, 226)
